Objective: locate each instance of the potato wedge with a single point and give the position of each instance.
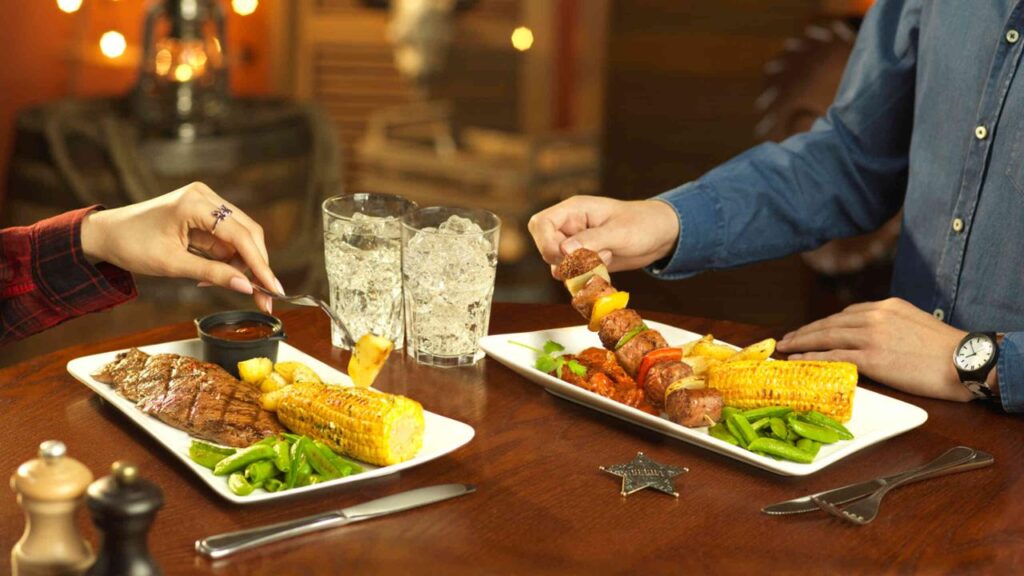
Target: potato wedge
(287, 369)
(272, 382)
(700, 364)
(712, 350)
(255, 370)
(758, 351)
(270, 400)
(368, 358)
(303, 373)
(688, 347)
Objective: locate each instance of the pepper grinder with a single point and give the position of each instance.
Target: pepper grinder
(123, 507)
(50, 489)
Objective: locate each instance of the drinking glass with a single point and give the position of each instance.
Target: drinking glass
(363, 255)
(449, 259)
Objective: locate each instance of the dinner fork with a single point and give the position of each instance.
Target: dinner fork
(864, 511)
(300, 300)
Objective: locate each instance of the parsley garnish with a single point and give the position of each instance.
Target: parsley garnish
(549, 362)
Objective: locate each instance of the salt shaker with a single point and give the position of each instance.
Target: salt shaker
(123, 507)
(50, 489)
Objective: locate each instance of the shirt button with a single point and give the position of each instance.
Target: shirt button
(1012, 36)
(980, 132)
(958, 225)
(938, 313)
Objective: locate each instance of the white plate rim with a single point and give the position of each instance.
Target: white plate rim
(520, 360)
(176, 441)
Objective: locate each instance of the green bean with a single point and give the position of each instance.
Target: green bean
(239, 485)
(273, 485)
(766, 411)
(826, 422)
(774, 447)
(259, 472)
(243, 458)
(206, 454)
(739, 426)
(813, 431)
(779, 428)
(809, 446)
(757, 425)
(282, 459)
(722, 433)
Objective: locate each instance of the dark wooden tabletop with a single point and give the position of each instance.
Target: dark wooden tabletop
(542, 504)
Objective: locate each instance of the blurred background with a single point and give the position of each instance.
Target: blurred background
(511, 105)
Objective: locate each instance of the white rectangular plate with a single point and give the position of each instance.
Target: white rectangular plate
(441, 435)
(875, 416)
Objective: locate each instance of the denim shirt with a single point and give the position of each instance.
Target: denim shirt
(929, 117)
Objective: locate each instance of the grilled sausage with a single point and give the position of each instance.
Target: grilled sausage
(630, 355)
(660, 376)
(615, 325)
(584, 300)
(689, 407)
(578, 262)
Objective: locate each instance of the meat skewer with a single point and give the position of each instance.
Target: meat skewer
(642, 352)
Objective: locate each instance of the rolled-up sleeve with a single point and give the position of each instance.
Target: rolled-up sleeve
(45, 278)
(845, 176)
(1011, 372)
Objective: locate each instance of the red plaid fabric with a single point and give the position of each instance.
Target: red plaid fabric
(45, 278)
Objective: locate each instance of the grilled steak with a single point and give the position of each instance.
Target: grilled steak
(197, 397)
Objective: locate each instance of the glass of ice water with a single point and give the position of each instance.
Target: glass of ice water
(363, 254)
(449, 259)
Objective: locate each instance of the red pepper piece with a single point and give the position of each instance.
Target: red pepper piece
(656, 357)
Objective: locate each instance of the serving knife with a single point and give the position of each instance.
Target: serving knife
(229, 543)
(844, 494)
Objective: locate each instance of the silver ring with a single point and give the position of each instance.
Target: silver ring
(219, 215)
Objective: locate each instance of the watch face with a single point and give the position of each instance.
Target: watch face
(974, 353)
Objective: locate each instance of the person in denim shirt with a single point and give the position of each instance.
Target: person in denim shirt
(929, 117)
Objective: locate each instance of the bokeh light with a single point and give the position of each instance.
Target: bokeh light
(69, 6)
(183, 73)
(522, 38)
(113, 44)
(244, 7)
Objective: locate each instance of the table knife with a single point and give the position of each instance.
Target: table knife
(852, 492)
(229, 543)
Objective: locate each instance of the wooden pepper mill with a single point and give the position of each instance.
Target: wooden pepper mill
(50, 489)
(123, 507)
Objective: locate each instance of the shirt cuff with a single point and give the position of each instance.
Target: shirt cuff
(64, 276)
(701, 232)
(1010, 369)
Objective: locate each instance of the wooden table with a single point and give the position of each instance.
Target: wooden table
(542, 505)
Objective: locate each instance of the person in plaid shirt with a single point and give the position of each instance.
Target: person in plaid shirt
(82, 261)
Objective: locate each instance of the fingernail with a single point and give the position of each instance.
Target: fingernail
(571, 245)
(270, 306)
(277, 284)
(240, 284)
(204, 284)
(795, 356)
(606, 256)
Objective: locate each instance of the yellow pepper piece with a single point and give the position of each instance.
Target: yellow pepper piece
(367, 359)
(604, 306)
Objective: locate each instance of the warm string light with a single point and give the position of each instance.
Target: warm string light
(522, 38)
(69, 6)
(244, 7)
(183, 73)
(113, 44)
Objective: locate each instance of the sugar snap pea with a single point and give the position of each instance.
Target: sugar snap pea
(259, 472)
(766, 411)
(774, 447)
(206, 454)
(321, 463)
(311, 479)
(758, 424)
(729, 411)
(813, 431)
(822, 420)
(722, 433)
(740, 427)
(243, 458)
(347, 467)
(282, 458)
(779, 428)
(239, 485)
(273, 485)
(809, 446)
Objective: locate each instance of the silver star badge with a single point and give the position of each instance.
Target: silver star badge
(643, 472)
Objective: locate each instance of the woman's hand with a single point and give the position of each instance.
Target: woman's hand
(891, 341)
(153, 237)
(626, 234)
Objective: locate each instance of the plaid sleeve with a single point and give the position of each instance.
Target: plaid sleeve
(45, 278)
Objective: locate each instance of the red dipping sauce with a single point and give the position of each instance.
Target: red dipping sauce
(245, 330)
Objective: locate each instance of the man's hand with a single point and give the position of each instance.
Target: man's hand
(626, 234)
(153, 237)
(891, 341)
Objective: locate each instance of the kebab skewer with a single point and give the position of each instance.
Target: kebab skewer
(642, 352)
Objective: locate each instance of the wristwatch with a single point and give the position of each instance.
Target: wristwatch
(974, 357)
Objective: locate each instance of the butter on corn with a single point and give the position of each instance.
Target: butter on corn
(363, 423)
(803, 385)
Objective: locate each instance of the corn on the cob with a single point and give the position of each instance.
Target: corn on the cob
(363, 423)
(827, 387)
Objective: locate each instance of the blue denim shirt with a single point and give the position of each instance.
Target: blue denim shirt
(930, 117)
